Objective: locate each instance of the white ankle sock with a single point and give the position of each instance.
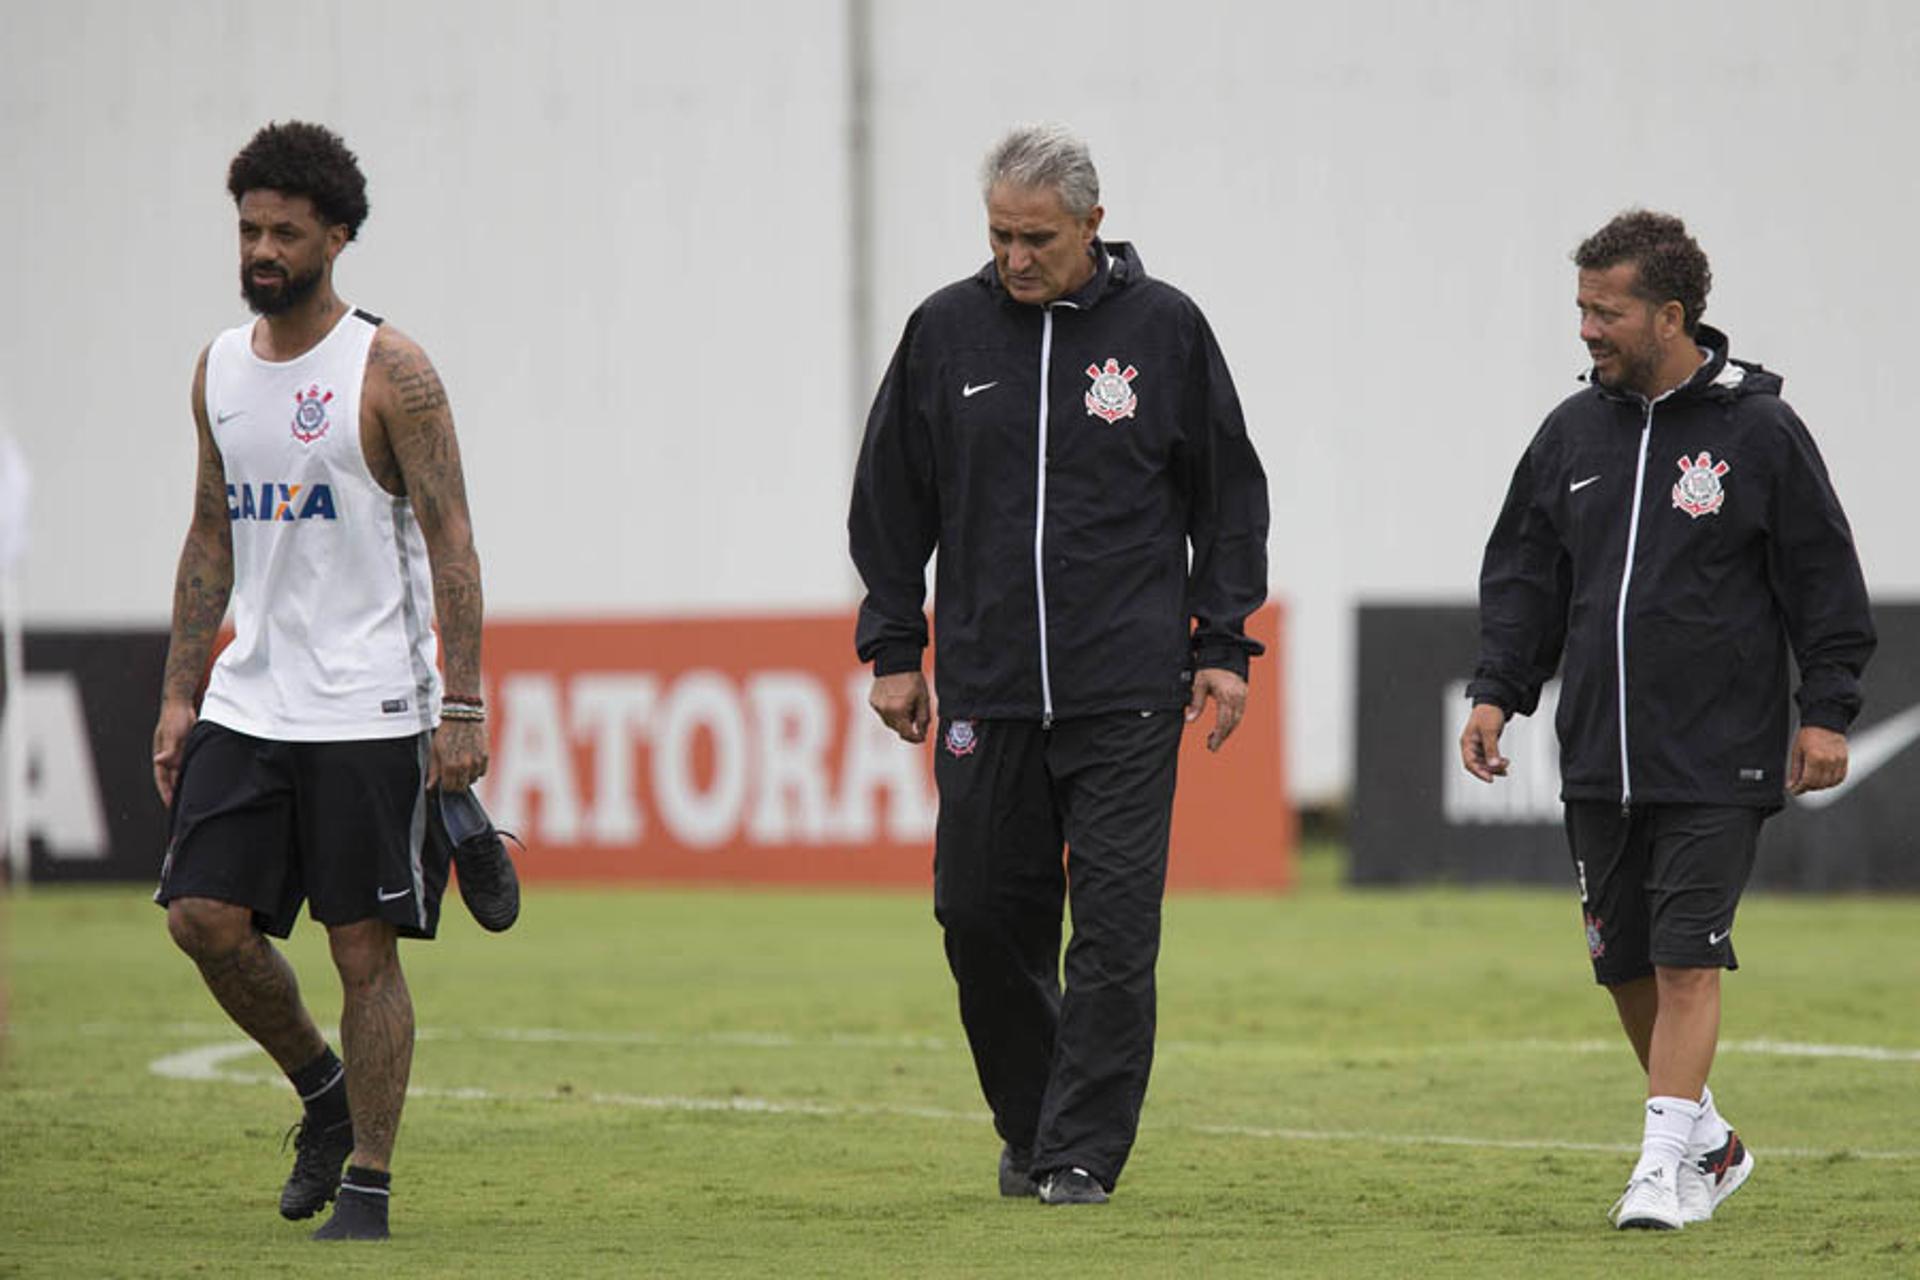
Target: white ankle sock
(1709, 1131)
(1664, 1142)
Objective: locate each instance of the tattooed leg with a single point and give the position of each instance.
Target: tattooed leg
(252, 981)
(376, 1030)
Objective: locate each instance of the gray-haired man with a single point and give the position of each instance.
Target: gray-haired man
(1064, 430)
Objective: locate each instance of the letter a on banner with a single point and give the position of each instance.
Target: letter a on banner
(60, 803)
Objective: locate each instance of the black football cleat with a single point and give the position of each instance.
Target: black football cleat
(359, 1214)
(319, 1154)
(488, 883)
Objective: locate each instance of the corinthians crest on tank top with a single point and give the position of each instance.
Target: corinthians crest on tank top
(332, 594)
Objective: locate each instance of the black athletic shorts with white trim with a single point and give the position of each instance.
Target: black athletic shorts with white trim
(267, 824)
(1659, 885)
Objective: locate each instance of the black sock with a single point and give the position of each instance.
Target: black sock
(322, 1086)
(377, 1183)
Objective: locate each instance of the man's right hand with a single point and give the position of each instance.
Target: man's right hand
(169, 742)
(901, 701)
(1480, 743)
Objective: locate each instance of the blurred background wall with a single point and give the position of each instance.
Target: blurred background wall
(659, 252)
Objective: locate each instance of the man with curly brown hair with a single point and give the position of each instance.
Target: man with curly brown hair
(1670, 543)
(331, 510)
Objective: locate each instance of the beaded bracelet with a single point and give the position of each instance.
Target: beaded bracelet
(462, 709)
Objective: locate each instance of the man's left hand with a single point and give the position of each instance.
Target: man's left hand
(459, 755)
(1229, 693)
(1819, 760)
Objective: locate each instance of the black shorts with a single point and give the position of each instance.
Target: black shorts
(1659, 886)
(343, 825)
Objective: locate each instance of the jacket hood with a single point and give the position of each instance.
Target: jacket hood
(1720, 378)
(1119, 267)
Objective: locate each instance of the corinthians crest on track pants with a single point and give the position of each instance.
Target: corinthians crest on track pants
(1065, 1072)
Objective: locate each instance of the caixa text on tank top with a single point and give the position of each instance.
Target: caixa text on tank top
(270, 500)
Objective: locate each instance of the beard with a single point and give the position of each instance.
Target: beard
(280, 296)
(1638, 368)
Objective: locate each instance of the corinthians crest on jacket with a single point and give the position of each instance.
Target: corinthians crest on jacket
(1698, 492)
(1111, 396)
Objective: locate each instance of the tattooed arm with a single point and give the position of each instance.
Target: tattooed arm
(200, 590)
(416, 429)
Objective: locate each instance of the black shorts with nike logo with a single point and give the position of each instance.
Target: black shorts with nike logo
(1659, 885)
(267, 824)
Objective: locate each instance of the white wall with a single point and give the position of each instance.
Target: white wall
(1374, 202)
(618, 230)
(621, 229)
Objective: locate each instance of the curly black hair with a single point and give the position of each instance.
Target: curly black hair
(301, 159)
(1671, 265)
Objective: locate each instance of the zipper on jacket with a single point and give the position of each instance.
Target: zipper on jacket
(1040, 520)
(1626, 578)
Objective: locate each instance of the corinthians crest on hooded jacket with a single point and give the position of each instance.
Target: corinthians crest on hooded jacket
(1742, 562)
(1063, 515)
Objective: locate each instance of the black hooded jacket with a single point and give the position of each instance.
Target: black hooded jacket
(1063, 520)
(1688, 547)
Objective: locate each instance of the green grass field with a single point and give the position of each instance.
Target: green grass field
(681, 1082)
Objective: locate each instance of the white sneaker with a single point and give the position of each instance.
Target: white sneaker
(1708, 1177)
(1650, 1202)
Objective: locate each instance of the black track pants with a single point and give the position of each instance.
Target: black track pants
(1065, 1072)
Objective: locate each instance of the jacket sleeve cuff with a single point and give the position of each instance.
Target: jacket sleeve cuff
(1489, 691)
(894, 659)
(1221, 657)
(1826, 715)
(1828, 699)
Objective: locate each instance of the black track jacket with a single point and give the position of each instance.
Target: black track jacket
(1063, 518)
(1681, 548)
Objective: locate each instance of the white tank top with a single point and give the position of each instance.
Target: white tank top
(332, 594)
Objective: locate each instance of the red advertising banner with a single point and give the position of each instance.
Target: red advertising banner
(742, 748)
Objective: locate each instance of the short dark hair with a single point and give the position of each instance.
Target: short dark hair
(1671, 266)
(300, 159)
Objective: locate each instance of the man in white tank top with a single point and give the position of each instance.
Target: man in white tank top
(330, 510)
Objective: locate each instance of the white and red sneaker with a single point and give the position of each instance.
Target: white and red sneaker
(1650, 1203)
(1708, 1177)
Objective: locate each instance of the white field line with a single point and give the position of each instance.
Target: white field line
(781, 1040)
(1789, 1049)
(207, 1063)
